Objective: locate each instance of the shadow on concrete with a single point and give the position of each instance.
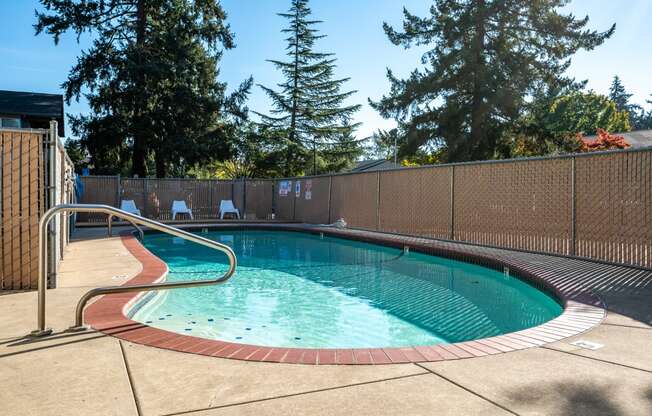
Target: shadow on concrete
(60, 339)
(573, 399)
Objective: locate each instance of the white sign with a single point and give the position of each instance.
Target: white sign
(308, 189)
(284, 188)
(297, 189)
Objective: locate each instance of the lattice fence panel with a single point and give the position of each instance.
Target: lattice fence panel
(22, 191)
(614, 207)
(354, 198)
(284, 200)
(523, 205)
(103, 190)
(416, 201)
(259, 198)
(312, 200)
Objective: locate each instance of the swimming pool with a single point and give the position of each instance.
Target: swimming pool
(295, 289)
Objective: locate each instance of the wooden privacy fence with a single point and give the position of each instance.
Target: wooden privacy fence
(597, 206)
(26, 180)
(154, 197)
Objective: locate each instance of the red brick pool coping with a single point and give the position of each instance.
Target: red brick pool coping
(582, 311)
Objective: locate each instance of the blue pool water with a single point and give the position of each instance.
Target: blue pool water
(301, 290)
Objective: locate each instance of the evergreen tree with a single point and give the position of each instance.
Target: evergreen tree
(308, 114)
(150, 78)
(643, 118)
(486, 58)
(619, 95)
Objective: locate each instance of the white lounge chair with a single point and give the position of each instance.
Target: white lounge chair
(180, 207)
(130, 206)
(227, 207)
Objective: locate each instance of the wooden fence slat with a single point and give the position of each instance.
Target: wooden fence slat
(35, 195)
(6, 211)
(25, 247)
(15, 210)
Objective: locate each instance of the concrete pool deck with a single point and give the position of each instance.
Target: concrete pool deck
(92, 373)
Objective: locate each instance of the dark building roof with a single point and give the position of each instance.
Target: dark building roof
(373, 165)
(636, 138)
(30, 105)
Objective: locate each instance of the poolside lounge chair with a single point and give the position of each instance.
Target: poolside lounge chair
(227, 207)
(180, 207)
(130, 206)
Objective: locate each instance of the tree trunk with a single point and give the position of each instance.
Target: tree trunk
(293, 119)
(139, 151)
(478, 112)
(161, 167)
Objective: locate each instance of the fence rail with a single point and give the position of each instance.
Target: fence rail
(597, 206)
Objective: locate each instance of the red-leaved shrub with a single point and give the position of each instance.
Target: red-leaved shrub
(605, 141)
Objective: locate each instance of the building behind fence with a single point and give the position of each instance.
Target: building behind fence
(35, 173)
(597, 206)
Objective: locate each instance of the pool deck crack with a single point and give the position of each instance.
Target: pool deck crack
(628, 326)
(631, 367)
(132, 385)
(468, 390)
(303, 393)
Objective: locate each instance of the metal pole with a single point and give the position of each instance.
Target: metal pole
(106, 209)
(378, 201)
(573, 208)
(452, 205)
(330, 193)
(395, 151)
(52, 196)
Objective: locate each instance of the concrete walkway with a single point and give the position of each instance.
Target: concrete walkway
(90, 373)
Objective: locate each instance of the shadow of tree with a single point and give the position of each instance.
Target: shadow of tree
(579, 399)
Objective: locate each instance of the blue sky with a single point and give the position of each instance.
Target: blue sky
(354, 29)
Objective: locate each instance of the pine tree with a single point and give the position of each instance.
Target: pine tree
(308, 113)
(150, 78)
(485, 59)
(619, 95)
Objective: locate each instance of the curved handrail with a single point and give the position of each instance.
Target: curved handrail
(134, 219)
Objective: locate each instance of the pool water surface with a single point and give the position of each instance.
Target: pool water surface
(295, 289)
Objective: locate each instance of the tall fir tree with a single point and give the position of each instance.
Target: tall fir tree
(150, 78)
(486, 58)
(309, 115)
(619, 95)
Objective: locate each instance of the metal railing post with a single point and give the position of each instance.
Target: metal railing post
(573, 242)
(378, 201)
(452, 205)
(330, 195)
(134, 219)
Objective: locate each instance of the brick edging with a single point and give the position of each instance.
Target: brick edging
(582, 311)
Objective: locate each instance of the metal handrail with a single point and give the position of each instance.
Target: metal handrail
(134, 219)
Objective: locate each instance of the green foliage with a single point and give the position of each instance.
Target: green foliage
(553, 123)
(308, 115)
(486, 59)
(584, 113)
(77, 154)
(643, 119)
(150, 78)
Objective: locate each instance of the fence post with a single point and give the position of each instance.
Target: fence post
(244, 198)
(118, 191)
(378, 201)
(146, 197)
(294, 199)
(452, 206)
(573, 242)
(330, 193)
(52, 195)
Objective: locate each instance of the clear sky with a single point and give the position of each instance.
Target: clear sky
(354, 30)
